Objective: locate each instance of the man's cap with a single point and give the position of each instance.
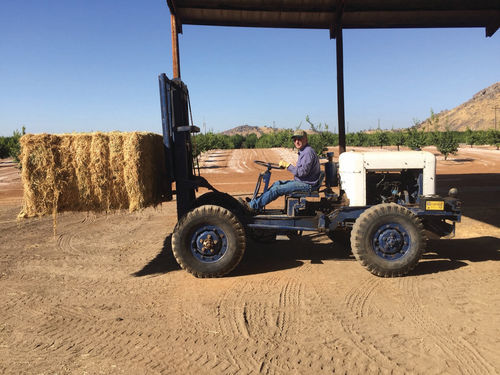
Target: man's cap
(299, 134)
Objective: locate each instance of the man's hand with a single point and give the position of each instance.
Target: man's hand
(284, 164)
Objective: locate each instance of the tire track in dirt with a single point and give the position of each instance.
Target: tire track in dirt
(275, 323)
(248, 317)
(72, 331)
(231, 313)
(289, 320)
(16, 304)
(216, 161)
(288, 333)
(361, 350)
(237, 164)
(243, 161)
(66, 331)
(313, 345)
(20, 342)
(63, 330)
(65, 243)
(71, 230)
(195, 351)
(457, 348)
(358, 298)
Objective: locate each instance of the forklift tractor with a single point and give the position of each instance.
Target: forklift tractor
(386, 207)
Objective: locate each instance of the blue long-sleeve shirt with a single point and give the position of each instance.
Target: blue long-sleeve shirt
(308, 168)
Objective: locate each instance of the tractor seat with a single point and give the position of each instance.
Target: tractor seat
(314, 192)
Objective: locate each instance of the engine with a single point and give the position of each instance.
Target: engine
(393, 187)
(369, 178)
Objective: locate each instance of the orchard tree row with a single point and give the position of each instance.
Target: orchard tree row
(447, 142)
(9, 146)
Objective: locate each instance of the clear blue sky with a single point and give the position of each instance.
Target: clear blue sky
(69, 66)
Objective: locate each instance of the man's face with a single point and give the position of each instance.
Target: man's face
(299, 142)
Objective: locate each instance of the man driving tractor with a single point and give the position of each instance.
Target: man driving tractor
(306, 174)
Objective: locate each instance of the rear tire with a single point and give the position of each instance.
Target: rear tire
(209, 241)
(388, 240)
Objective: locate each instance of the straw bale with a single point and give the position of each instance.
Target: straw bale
(91, 172)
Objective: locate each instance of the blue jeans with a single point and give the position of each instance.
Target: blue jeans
(278, 189)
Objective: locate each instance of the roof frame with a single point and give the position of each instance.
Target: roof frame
(332, 15)
(353, 14)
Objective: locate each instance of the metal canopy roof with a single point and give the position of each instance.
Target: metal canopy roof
(349, 14)
(333, 15)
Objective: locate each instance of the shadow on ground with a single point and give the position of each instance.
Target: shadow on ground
(447, 255)
(287, 254)
(441, 255)
(427, 267)
(478, 193)
(164, 262)
(259, 257)
(462, 160)
(479, 249)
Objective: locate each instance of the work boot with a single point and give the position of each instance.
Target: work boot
(246, 204)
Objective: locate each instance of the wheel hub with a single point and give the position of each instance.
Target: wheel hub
(391, 241)
(208, 243)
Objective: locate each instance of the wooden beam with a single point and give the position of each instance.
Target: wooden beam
(175, 47)
(340, 87)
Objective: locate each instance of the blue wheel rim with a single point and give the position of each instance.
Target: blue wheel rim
(391, 241)
(208, 243)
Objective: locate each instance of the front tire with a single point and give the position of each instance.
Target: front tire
(388, 240)
(209, 241)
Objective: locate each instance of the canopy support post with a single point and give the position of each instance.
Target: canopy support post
(340, 87)
(175, 47)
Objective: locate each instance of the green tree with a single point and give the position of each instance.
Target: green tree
(415, 138)
(212, 141)
(358, 139)
(447, 143)
(317, 142)
(380, 138)
(322, 137)
(10, 146)
(284, 139)
(470, 137)
(237, 140)
(250, 141)
(493, 137)
(313, 126)
(481, 137)
(432, 138)
(397, 138)
(265, 141)
(4, 147)
(14, 145)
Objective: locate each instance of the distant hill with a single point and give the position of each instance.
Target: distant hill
(477, 113)
(247, 129)
(257, 130)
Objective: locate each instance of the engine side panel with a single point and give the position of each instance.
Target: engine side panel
(354, 166)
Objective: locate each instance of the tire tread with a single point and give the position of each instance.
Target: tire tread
(215, 211)
(360, 228)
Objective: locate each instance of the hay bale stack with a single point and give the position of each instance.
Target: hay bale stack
(91, 172)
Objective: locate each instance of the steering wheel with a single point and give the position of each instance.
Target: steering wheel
(267, 165)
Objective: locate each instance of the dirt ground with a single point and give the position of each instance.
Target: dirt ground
(104, 295)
